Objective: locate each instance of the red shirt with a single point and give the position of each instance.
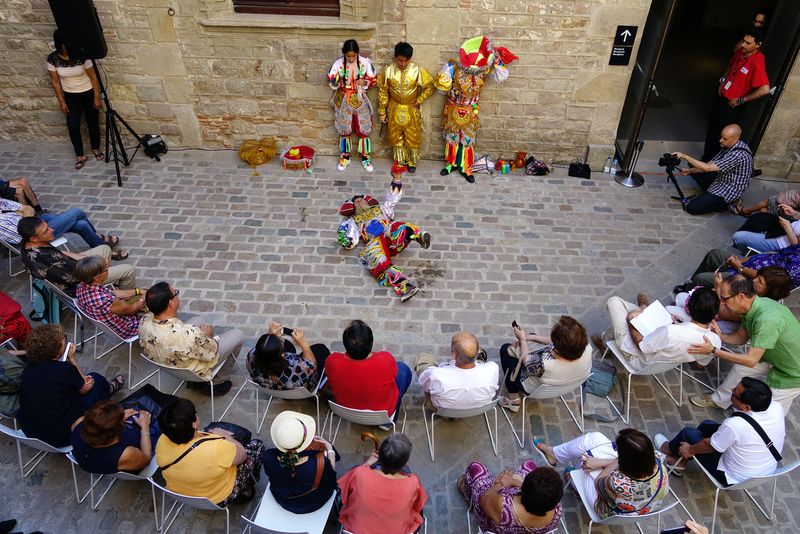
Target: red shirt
(744, 75)
(363, 384)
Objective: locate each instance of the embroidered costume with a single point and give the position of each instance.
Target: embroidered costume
(373, 223)
(400, 93)
(352, 109)
(462, 81)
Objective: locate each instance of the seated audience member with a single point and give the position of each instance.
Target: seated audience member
(526, 501)
(758, 241)
(209, 463)
(108, 439)
(74, 221)
(626, 477)
(168, 340)
(46, 262)
(275, 364)
(725, 178)
(54, 393)
(302, 466)
(13, 324)
(774, 335)
(19, 190)
(462, 381)
(669, 343)
(12, 364)
(775, 204)
(564, 358)
(366, 380)
(107, 305)
(382, 495)
(718, 260)
(732, 451)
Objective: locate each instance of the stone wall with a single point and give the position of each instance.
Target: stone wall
(207, 77)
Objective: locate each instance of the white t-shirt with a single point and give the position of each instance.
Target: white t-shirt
(744, 453)
(453, 387)
(783, 241)
(671, 343)
(73, 79)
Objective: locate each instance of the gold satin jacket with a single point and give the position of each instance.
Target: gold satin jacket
(405, 87)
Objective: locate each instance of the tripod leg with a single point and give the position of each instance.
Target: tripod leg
(118, 137)
(115, 141)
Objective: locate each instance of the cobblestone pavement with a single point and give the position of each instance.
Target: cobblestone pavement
(244, 249)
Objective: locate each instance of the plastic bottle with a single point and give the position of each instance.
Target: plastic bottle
(607, 168)
(615, 166)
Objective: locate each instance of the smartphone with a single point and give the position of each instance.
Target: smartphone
(514, 324)
(63, 357)
(677, 530)
(287, 331)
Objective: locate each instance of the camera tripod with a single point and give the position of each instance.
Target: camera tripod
(681, 197)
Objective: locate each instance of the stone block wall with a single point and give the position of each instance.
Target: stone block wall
(207, 77)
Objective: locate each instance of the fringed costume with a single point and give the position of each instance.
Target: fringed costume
(400, 93)
(352, 109)
(462, 81)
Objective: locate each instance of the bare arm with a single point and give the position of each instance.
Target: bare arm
(95, 86)
(122, 307)
(55, 81)
(133, 459)
(699, 166)
(299, 337)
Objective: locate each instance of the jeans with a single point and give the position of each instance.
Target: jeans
(403, 380)
(757, 241)
(78, 103)
(706, 203)
(693, 436)
(73, 220)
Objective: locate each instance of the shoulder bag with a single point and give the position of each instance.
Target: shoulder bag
(761, 433)
(187, 451)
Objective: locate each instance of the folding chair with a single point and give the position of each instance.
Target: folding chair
(285, 394)
(460, 414)
(422, 529)
(179, 501)
(145, 474)
(578, 479)
(361, 417)
(187, 375)
(100, 328)
(746, 485)
(271, 518)
(25, 468)
(71, 304)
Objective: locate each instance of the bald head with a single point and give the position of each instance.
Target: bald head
(732, 131)
(464, 347)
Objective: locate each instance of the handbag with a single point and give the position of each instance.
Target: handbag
(579, 169)
(602, 383)
(240, 433)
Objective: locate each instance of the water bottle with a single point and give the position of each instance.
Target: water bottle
(607, 168)
(615, 166)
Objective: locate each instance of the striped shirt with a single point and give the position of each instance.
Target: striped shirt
(9, 221)
(735, 170)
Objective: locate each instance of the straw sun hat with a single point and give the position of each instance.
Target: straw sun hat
(292, 431)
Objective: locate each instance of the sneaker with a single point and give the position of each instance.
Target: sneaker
(703, 401)
(411, 169)
(367, 165)
(385, 428)
(424, 240)
(409, 292)
(447, 170)
(509, 404)
(468, 177)
(220, 388)
(659, 440)
(343, 163)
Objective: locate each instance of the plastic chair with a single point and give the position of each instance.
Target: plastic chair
(25, 468)
(271, 518)
(361, 417)
(745, 486)
(179, 501)
(71, 304)
(578, 477)
(460, 414)
(100, 328)
(285, 394)
(94, 479)
(422, 529)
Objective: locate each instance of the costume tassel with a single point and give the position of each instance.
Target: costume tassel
(344, 145)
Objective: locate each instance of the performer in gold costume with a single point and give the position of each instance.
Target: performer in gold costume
(402, 88)
(462, 82)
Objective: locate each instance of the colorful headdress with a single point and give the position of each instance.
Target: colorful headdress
(479, 54)
(398, 169)
(348, 209)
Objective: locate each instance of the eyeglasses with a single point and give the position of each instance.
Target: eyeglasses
(725, 299)
(175, 293)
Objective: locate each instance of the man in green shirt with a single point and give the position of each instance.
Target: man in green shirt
(774, 352)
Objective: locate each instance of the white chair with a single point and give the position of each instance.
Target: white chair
(285, 394)
(423, 528)
(179, 501)
(578, 480)
(456, 413)
(71, 304)
(25, 468)
(187, 375)
(271, 518)
(94, 479)
(361, 417)
(746, 485)
(100, 328)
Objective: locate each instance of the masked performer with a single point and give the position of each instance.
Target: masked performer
(350, 76)
(402, 88)
(462, 82)
(383, 237)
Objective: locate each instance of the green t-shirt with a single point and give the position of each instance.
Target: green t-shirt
(773, 327)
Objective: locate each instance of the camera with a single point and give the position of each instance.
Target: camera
(669, 160)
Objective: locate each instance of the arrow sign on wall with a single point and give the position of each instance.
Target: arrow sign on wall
(625, 35)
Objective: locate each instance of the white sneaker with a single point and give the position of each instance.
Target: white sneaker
(367, 165)
(343, 163)
(508, 404)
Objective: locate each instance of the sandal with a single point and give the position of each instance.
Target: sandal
(539, 441)
(98, 155)
(461, 485)
(116, 385)
(80, 162)
(110, 240)
(119, 255)
(737, 209)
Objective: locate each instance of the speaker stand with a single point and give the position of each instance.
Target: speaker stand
(632, 178)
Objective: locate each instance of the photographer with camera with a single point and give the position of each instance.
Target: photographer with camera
(725, 178)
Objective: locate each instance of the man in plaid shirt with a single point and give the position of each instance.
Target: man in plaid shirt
(725, 178)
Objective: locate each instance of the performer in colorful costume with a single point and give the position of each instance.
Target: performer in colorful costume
(462, 82)
(350, 77)
(402, 88)
(374, 223)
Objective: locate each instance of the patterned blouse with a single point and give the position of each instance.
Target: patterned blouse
(95, 301)
(534, 362)
(622, 495)
(49, 263)
(788, 258)
(173, 342)
(297, 373)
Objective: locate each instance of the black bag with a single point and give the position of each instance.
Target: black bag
(763, 223)
(148, 398)
(580, 169)
(240, 433)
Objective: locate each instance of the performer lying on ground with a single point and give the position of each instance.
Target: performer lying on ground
(374, 223)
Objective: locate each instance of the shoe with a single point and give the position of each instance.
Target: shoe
(703, 401)
(551, 459)
(659, 440)
(7, 526)
(756, 173)
(597, 339)
(642, 300)
(411, 169)
(509, 404)
(447, 170)
(409, 292)
(80, 162)
(119, 255)
(98, 155)
(424, 240)
(385, 428)
(116, 384)
(367, 165)
(220, 388)
(468, 177)
(343, 163)
(684, 288)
